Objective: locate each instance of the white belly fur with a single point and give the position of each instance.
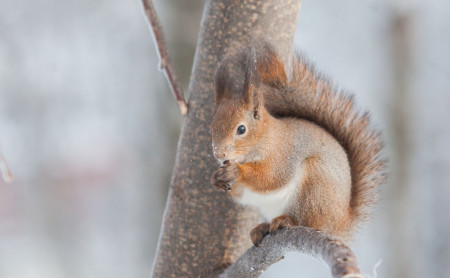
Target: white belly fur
(272, 204)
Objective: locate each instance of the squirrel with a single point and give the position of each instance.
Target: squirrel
(292, 145)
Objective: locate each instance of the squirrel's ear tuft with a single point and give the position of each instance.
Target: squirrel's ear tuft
(220, 83)
(228, 81)
(269, 67)
(225, 83)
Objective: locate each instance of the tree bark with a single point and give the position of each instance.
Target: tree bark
(203, 230)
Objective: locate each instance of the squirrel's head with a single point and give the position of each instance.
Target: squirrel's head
(239, 122)
(236, 129)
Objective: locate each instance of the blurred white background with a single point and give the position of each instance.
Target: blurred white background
(89, 130)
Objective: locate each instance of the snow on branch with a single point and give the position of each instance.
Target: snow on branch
(161, 47)
(335, 253)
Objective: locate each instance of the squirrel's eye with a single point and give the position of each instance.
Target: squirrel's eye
(241, 129)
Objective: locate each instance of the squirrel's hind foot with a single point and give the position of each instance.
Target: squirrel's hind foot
(258, 233)
(281, 222)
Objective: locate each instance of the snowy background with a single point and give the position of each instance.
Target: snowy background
(89, 129)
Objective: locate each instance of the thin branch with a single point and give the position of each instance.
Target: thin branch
(4, 169)
(161, 46)
(335, 253)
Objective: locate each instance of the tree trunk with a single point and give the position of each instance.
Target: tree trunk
(203, 230)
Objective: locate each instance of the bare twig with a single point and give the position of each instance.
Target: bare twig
(4, 169)
(335, 253)
(165, 64)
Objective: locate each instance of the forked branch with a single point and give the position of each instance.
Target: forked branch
(335, 253)
(164, 63)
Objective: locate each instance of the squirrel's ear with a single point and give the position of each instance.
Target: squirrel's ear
(252, 96)
(254, 99)
(269, 68)
(258, 104)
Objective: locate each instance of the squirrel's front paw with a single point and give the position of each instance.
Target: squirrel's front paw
(226, 176)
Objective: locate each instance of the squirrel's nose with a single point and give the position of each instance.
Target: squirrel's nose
(219, 153)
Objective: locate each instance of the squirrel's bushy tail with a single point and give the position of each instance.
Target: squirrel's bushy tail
(305, 94)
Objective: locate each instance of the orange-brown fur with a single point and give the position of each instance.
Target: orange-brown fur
(297, 126)
(319, 200)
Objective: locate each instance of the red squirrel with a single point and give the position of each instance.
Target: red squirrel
(292, 146)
